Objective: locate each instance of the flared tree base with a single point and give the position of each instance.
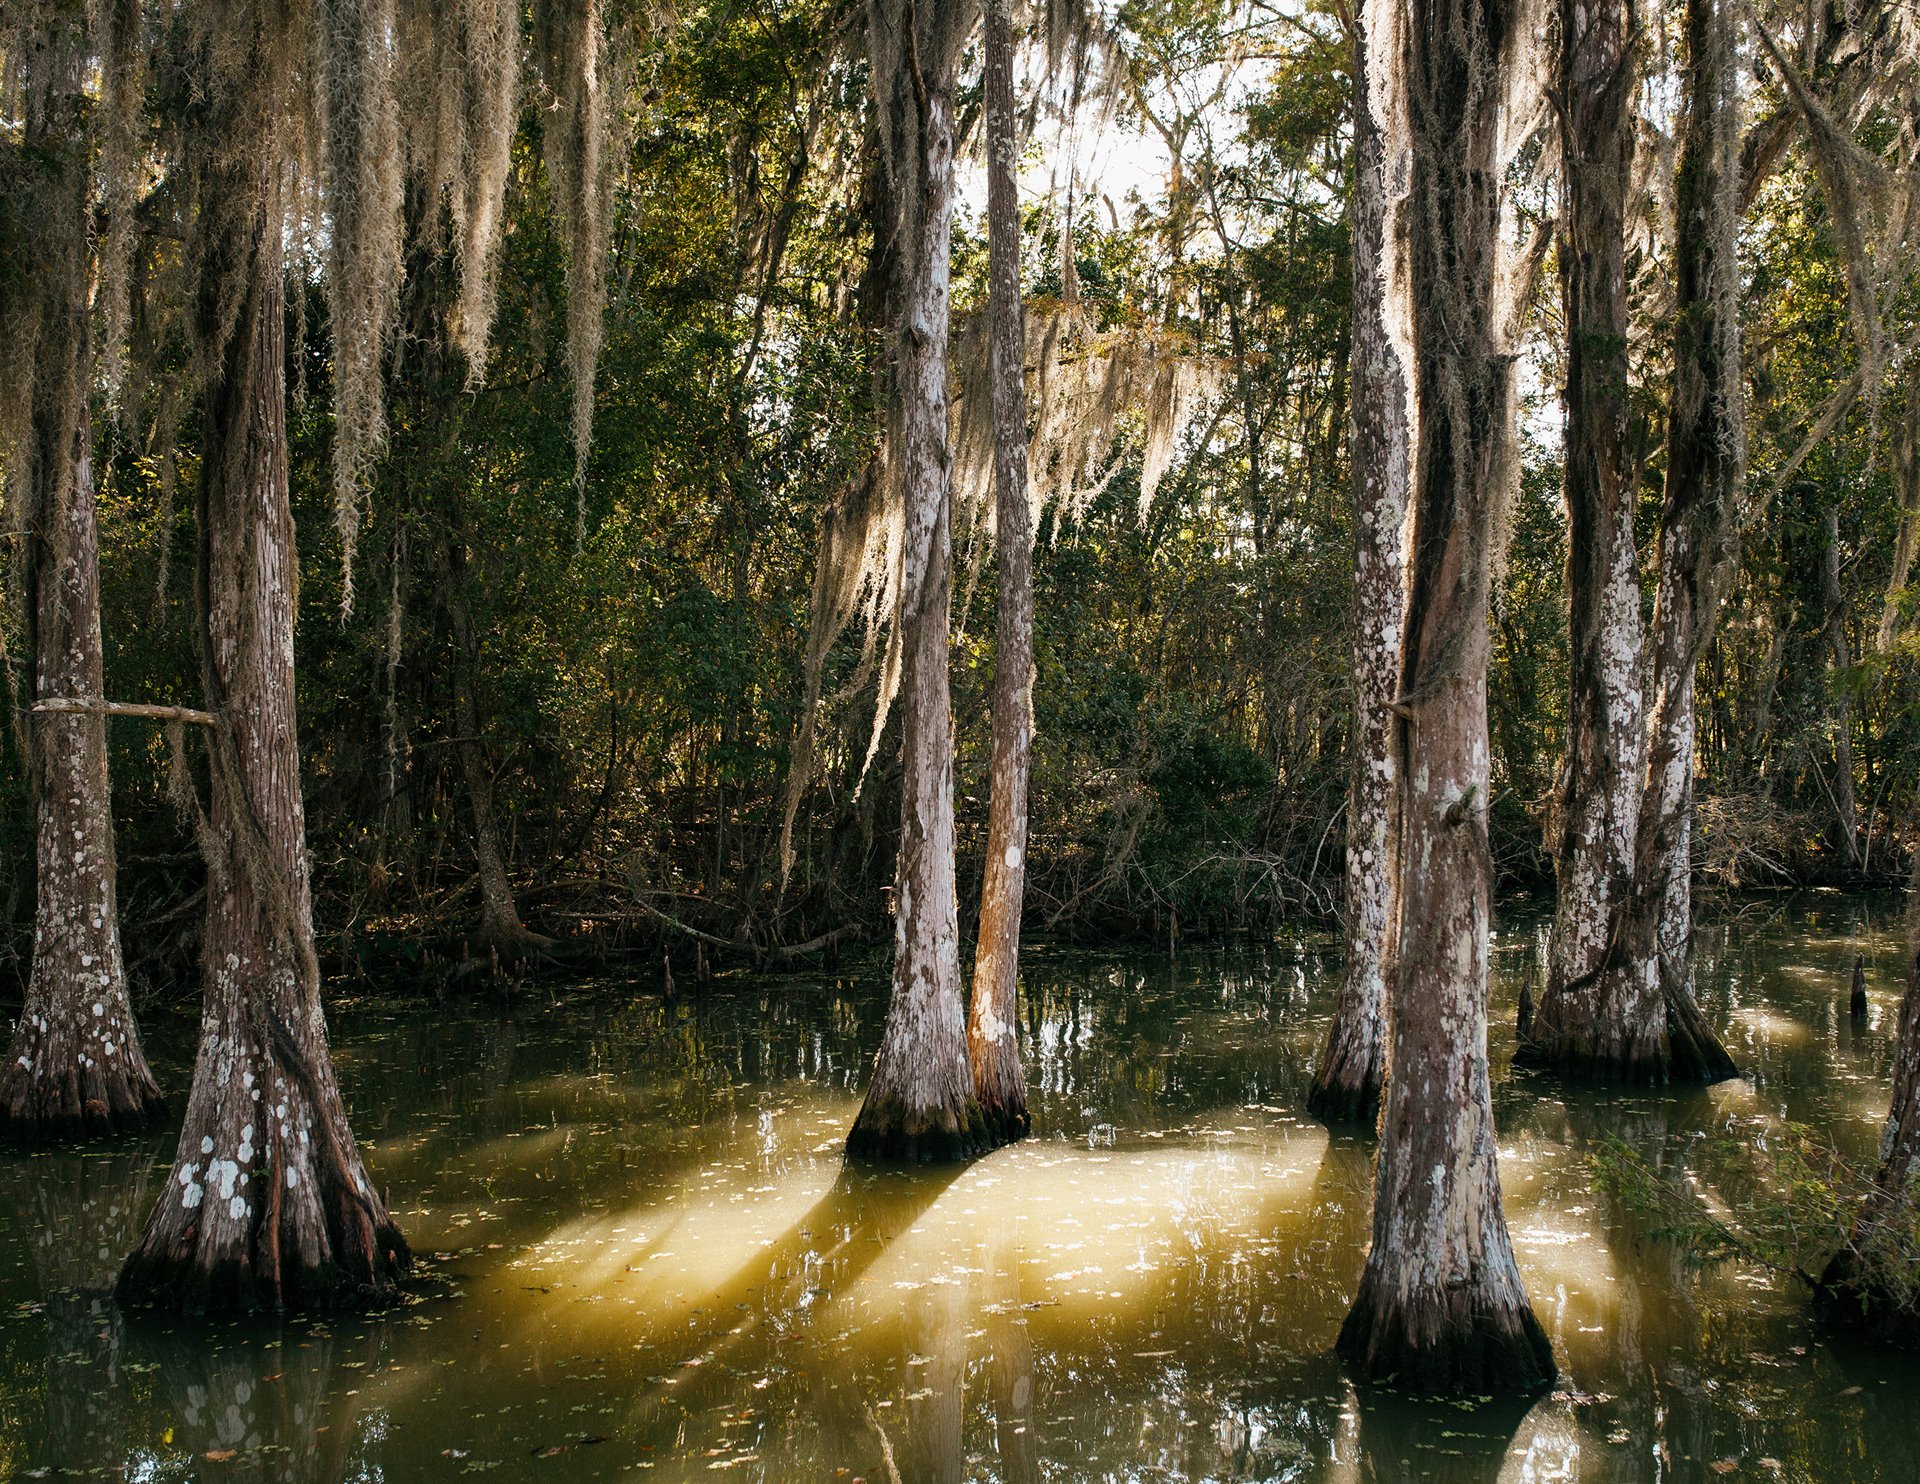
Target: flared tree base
(1000, 1087)
(1451, 1342)
(887, 1132)
(190, 1283)
(1694, 1052)
(1006, 1122)
(1343, 1098)
(1583, 1059)
(1687, 1052)
(38, 1112)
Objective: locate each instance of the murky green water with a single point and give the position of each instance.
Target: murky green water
(642, 1256)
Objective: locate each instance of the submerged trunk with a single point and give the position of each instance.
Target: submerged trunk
(1871, 1284)
(993, 1037)
(1346, 1087)
(268, 1204)
(921, 1103)
(1588, 1021)
(1440, 1306)
(1699, 531)
(74, 1068)
(1846, 816)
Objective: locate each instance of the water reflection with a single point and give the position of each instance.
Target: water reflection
(643, 1255)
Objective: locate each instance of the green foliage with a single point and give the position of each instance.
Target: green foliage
(1782, 1199)
(632, 690)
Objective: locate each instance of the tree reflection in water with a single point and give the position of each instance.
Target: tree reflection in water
(647, 1260)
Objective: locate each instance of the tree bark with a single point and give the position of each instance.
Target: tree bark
(1699, 537)
(993, 1034)
(74, 1067)
(1440, 1306)
(920, 1104)
(1870, 1283)
(1346, 1085)
(1605, 1026)
(268, 1205)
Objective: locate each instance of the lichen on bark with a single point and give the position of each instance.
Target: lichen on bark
(269, 1204)
(1346, 1084)
(74, 1065)
(921, 1103)
(1440, 1305)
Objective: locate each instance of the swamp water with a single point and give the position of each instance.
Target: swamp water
(640, 1255)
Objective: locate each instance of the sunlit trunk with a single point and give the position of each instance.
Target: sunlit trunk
(268, 1204)
(921, 1103)
(993, 1037)
(1440, 1306)
(1699, 535)
(1346, 1085)
(74, 1067)
(1606, 1025)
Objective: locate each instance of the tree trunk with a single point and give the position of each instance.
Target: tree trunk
(500, 924)
(1346, 1086)
(921, 1104)
(1440, 1305)
(268, 1205)
(1870, 1282)
(993, 1034)
(1846, 814)
(1893, 616)
(74, 1068)
(1699, 535)
(1588, 1021)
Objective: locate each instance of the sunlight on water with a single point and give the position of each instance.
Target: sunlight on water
(641, 1255)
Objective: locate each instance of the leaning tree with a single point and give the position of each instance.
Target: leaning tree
(1440, 1305)
(74, 1067)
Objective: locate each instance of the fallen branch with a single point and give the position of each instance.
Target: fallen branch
(77, 706)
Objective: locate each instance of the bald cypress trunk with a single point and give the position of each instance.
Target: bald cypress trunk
(993, 1037)
(268, 1204)
(1440, 1306)
(1649, 966)
(74, 1067)
(1609, 1026)
(1870, 1284)
(921, 1102)
(1346, 1086)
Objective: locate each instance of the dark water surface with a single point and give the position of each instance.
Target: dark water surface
(642, 1257)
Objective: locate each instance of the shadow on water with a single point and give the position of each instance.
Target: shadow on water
(644, 1257)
